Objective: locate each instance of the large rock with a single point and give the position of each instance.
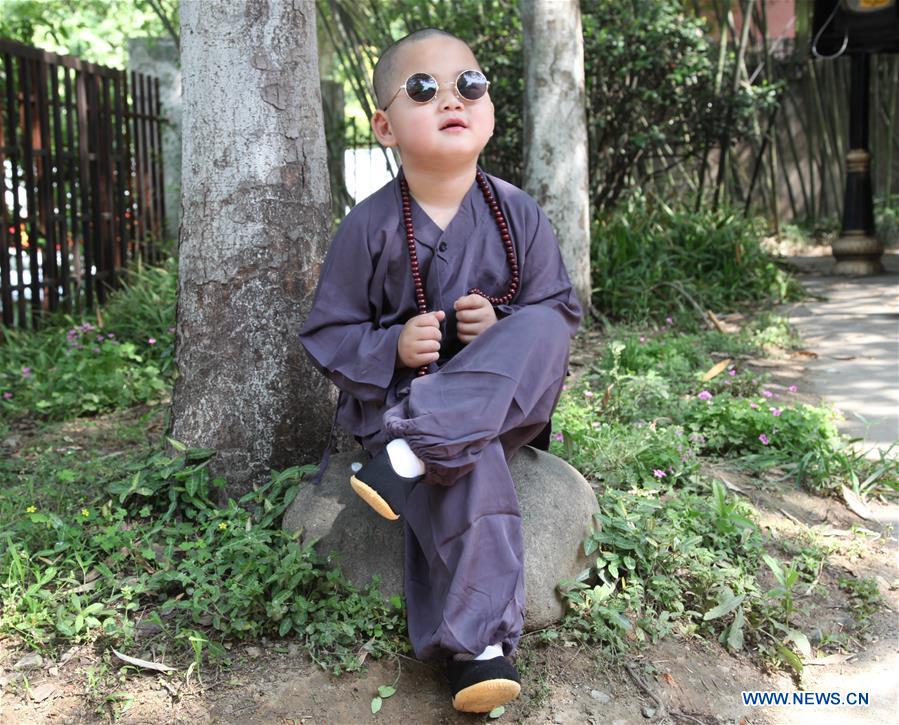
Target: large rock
(557, 505)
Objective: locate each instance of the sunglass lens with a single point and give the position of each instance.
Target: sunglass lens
(471, 85)
(421, 87)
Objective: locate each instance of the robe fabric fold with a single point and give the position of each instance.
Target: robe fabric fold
(464, 576)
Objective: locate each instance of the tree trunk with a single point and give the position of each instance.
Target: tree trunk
(255, 227)
(555, 128)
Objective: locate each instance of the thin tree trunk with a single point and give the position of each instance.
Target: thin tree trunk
(255, 227)
(554, 86)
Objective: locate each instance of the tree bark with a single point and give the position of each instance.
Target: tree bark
(555, 128)
(255, 226)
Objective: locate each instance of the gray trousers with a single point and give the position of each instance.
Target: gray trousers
(464, 560)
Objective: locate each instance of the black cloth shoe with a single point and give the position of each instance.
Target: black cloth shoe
(381, 487)
(481, 685)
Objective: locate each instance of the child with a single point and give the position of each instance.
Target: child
(441, 383)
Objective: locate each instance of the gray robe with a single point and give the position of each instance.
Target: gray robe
(464, 575)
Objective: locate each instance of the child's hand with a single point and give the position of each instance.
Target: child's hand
(419, 342)
(474, 314)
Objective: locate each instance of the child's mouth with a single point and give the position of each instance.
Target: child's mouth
(454, 124)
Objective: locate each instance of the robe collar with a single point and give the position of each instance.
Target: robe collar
(426, 230)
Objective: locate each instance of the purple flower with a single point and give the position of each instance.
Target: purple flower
(732, 372)
(659, 473)
(96, 350)
(705, 395)
(26, 372)
(7, 395)
(99, 338)
(171, 329)
(558, 436)
(642, 339)
(793, 389)
(588, 393)
(775, 412)
(669, 320)
(767, 393)
(754, 406)
(110, 335)
(152, 341)
(763, 438)
(727, 382)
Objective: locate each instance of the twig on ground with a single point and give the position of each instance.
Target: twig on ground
(661, 710)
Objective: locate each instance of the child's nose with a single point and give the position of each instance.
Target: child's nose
(447, 98)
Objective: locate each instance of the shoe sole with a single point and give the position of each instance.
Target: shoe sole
(373, 499)
(484, 696)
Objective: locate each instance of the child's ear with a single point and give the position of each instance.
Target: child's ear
(380, 126)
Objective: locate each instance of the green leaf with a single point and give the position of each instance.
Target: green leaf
(386, 691)
(496, 712)
(801, 642)
(735, 633)
(726, 606)
(790, 658)
(376, 703)
(285, 626)
(774, 566)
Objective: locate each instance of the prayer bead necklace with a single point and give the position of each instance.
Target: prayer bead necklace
(420, 299)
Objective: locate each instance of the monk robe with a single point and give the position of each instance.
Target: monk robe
(480, 402)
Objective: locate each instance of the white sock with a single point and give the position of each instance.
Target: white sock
(491, 651)
(403, 460)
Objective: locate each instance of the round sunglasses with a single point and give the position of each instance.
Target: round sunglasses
(470, 85)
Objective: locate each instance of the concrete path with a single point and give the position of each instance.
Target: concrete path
(854, 329)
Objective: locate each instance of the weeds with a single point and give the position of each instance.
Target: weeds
(673, 551)
(155, 544)
(649, 261)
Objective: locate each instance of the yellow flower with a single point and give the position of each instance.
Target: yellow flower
(223, 525)
(31, 509)
(85, 513)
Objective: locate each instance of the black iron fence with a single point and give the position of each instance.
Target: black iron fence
(82, 195)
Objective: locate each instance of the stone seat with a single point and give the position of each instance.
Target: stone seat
(557, 505)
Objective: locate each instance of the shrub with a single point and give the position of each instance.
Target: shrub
(648, 261)
(115, 358)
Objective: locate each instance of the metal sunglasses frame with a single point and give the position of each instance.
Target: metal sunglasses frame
(454, 85)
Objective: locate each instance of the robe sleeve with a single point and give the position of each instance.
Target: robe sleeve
(341, 335)
(544, 278)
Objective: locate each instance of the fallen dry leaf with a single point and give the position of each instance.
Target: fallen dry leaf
(716, 369)
(146, 664)
(855, 503)
(42, 692)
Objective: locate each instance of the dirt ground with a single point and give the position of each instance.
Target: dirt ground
(678, 680)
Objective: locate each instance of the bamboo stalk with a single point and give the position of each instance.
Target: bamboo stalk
(829, 152)
(783, 166)
(725, 139)
(892, 74)
(797, 162)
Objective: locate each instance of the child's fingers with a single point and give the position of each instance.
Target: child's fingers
(426, 346)
(429, 319)
(428, 333)
(470, 302)
(470, 316)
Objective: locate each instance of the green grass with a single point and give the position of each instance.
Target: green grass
(673, 550)
(97, 550)
(115, 358)
(100, 529)
(650, 262)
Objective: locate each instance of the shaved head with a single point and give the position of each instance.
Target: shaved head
(383, 78)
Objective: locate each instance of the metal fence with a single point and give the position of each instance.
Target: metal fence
(82, 197)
